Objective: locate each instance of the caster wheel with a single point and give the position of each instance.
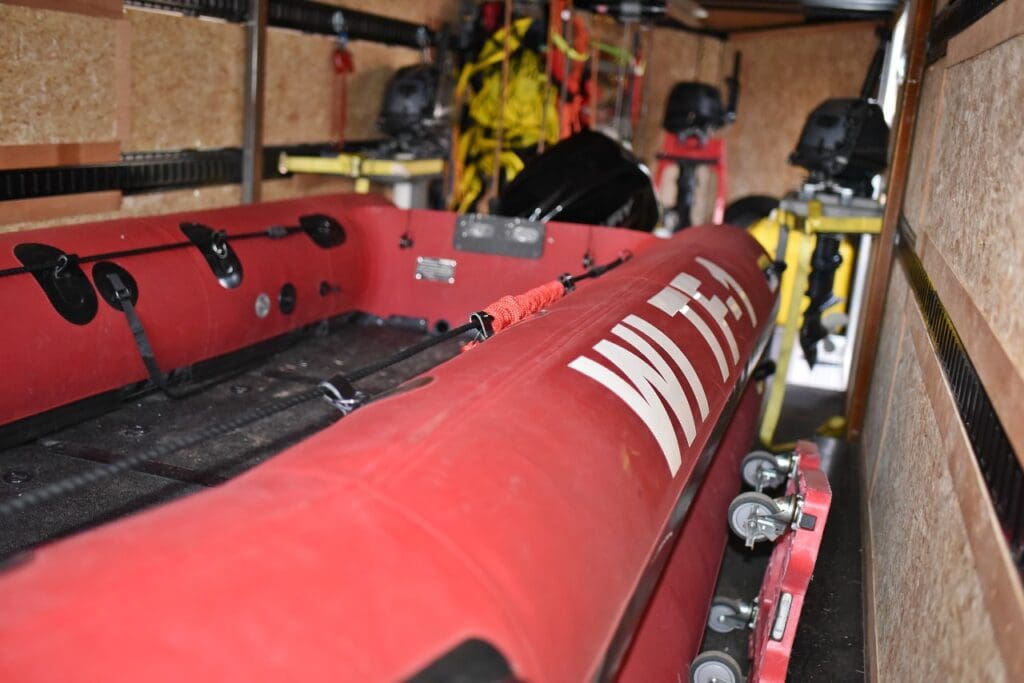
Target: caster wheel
(760, 470)
(724, 616)
(715, 666)
(745, 510)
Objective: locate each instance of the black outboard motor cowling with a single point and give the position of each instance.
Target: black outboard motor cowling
(694, 109)
(409, 100)
(587, 178)
(845, 141)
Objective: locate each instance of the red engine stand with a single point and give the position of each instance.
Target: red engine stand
(789, 572)
(692, 149)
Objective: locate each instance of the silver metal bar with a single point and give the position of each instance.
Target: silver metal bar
(252, 133)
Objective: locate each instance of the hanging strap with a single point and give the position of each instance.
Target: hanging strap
(124, 296)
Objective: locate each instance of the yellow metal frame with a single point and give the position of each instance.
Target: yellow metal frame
(362, 168)
(814, 222)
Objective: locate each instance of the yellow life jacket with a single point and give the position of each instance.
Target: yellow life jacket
(522, 118)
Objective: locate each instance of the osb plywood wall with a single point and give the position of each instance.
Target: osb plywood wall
(944, 600)
(101, 82)
(785, 74)
(110, 81)
(58, 76)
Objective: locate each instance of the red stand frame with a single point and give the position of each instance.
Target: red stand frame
(710, 153)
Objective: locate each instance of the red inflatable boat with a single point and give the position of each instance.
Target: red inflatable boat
(548, 504)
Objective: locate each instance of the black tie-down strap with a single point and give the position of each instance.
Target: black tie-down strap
(124, 297)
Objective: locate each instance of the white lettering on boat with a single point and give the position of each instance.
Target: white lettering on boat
(646, 382)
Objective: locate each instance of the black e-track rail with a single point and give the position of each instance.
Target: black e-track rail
(306, 16)
(142, 172)
(1000, 466)
(952, 20)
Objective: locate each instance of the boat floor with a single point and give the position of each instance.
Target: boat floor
(146, 421)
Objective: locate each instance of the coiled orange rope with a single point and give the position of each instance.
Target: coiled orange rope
(508, 310)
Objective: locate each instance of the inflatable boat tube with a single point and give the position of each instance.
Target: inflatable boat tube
(545, 504)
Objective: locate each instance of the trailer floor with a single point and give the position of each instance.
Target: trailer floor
(829, 645)
(146, 421)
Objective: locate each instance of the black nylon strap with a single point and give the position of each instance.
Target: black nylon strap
(138, 331)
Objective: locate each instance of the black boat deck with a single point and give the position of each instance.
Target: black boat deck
(144, 422)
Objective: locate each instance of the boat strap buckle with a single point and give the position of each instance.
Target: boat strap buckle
(484, 323)
(219, 244)
(340, 393)
(121, 291)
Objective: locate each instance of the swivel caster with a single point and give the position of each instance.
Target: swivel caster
(729, 615)
(755, 517)
(762, 470)
(715, 666)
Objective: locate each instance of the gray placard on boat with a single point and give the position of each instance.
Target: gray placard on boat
(499, 235)
(435, 269)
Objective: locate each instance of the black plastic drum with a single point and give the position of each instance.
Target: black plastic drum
(587, 178)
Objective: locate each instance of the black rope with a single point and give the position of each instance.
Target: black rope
(270, 233)
(409, 352)
(597, 271)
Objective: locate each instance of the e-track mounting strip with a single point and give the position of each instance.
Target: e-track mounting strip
(306, 16)
(141, 172)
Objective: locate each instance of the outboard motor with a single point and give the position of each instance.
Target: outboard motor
(843, 146)
(409, 99)
(409, 115)
(844, 143)
(586, 178)
(693, 112)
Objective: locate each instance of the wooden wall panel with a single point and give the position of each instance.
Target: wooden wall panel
(100, 206)
(935, 544)
(786, 73)
(304, 186)
(430, 12)
(33, 213)
(186, 82)
(181, 200)
(883, 377)
(1004, 22)
(931, 619)
(58, 154)
(375, 64)
(929, 118)
(299, 87)
(58, 77)
(110, 9)
(975, 208)
(303, 92)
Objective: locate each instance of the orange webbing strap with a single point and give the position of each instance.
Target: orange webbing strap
(508, 310)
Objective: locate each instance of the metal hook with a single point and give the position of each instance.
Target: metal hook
(62, 264)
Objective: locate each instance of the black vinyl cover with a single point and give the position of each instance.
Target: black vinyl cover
(844, 140)
(694, 107)
(587, 178)
(409, 99)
